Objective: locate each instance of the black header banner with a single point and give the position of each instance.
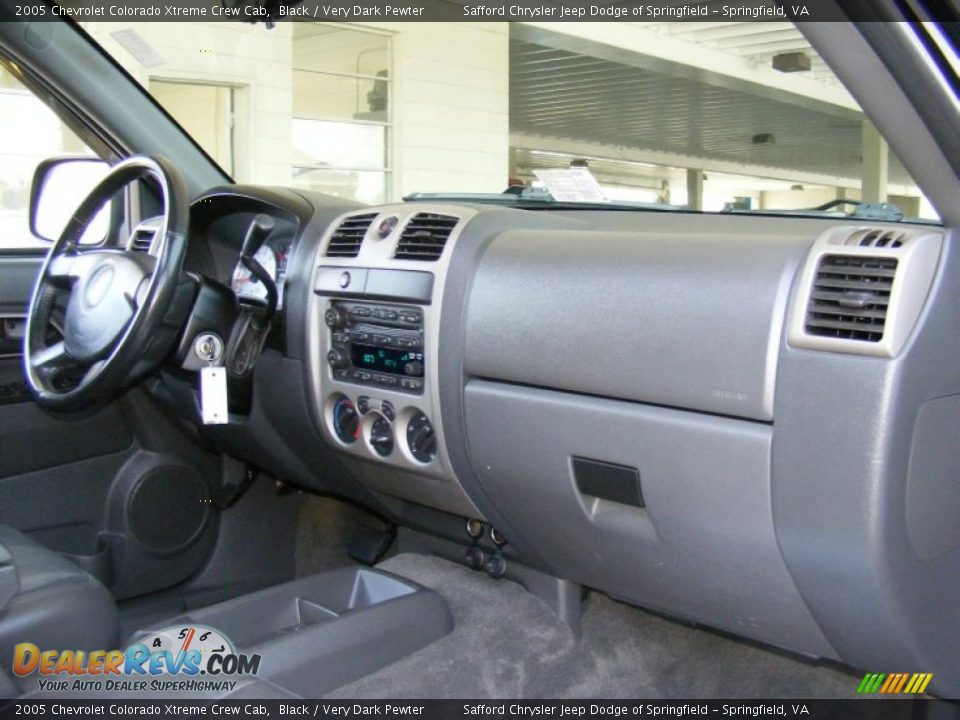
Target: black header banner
(271, 11)
(487, 709)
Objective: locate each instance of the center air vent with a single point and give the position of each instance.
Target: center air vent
(348, 237)
(424, 236)
(850, 297)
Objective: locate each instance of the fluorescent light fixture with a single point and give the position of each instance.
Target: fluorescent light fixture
(140, 49)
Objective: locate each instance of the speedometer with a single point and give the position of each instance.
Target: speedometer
(246, 285)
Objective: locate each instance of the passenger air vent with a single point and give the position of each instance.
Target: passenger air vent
(877, 238)
(143, 235)
(424, 236)
(850, 297)
(348, 237)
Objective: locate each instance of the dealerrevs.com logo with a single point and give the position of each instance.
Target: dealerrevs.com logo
(177, 659)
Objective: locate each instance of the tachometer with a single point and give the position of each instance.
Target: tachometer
(247, 286)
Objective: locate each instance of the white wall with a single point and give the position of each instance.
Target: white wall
(451, 100)
(450, 95)
(249, 57)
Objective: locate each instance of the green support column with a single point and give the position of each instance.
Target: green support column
(873, 168)
(695, 188)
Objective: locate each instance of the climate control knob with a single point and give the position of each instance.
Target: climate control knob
(338, 359)
(381, 436)
(346, 421)
(421, 439)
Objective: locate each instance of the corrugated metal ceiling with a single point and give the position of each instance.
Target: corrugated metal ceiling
(560, 93)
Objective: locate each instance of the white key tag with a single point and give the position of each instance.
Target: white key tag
(213, 395)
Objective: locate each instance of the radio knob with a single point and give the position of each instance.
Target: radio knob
(338, 359)
(335, 318)
(414, 367)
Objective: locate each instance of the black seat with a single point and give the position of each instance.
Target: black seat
(49, 601)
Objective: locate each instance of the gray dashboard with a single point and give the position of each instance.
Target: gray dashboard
(789, 480)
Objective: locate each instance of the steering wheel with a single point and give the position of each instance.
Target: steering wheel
(116, 300)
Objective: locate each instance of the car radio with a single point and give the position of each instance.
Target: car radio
(374, 344)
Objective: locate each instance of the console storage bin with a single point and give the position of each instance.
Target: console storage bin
(319, 632)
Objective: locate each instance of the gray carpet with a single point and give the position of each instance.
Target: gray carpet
(508, 644)
(325, 528)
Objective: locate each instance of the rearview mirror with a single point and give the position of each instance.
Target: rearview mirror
(59, 186)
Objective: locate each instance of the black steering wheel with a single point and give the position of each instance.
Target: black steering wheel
(116, 301)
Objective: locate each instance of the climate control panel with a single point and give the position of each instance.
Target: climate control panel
(382, 428)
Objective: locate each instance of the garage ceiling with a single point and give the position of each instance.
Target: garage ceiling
(560, 93)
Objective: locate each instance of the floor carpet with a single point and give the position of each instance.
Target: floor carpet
(508, 644)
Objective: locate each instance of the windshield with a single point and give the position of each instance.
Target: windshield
(707, 116)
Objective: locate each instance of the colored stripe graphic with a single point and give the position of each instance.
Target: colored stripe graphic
(891, 682)
(871, 682)
(894, 683)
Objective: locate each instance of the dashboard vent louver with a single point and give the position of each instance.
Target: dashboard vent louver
(141, 240)
(424, 236)
(348, 237)
(850, 297)
(877, 238)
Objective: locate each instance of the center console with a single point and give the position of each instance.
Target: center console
(320, 632)
(373, 324)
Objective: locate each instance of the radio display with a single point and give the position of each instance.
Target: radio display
(386, 360)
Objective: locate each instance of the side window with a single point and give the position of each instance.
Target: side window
(29, 133)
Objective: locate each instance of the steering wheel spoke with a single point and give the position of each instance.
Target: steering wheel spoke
(72, 264)
(91, 372)
(51, 360)
(62, 267)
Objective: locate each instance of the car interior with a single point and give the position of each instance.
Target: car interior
(482, 447)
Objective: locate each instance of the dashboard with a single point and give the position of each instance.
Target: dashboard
(738, 421)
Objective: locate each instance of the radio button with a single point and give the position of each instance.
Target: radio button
(414, 367)
(341, 337)
(389, 315)
(338, 359)
(362, 375)
(360, 312)
(335, 318)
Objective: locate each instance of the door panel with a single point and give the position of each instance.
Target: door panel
(118, 490)
(17, 273)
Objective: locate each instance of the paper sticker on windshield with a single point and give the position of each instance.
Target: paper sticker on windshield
(575, 184)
